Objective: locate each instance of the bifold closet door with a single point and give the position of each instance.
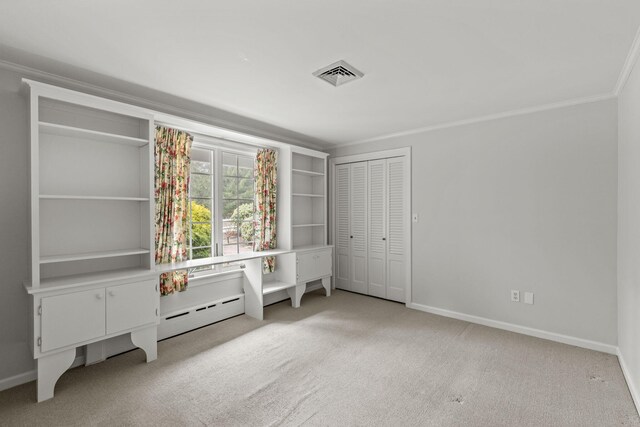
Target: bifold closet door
(397, 226)
(358, 229)
(377, 224)
(342, 240)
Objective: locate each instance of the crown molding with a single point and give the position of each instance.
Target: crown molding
(490, 117)
(629, 63)
(82, 86)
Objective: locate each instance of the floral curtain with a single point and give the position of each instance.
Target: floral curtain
(265, 177)
(172, 169)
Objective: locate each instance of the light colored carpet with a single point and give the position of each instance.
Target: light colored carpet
(343, 360)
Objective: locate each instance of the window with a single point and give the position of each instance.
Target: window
(221, 202)
(238, 204)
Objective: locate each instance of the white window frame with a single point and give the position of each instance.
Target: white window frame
(217, 147)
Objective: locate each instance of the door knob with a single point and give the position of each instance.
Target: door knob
(384, 238)
(351, 237)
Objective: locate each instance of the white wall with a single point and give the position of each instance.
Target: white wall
(629, 229)
(14, 229)
(526, 202)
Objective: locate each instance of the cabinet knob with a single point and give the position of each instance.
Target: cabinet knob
(99, 296)
(112, 294)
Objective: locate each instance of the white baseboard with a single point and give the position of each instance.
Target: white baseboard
(32, 375)
(630, 384)
(538, 333)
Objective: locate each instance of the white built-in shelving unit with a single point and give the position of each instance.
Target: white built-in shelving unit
(92, 227)
(91, 182)
(308, 198)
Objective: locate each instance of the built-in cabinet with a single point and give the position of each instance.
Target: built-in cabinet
(371, 227)
(92, 207)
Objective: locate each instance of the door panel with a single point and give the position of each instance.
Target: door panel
(398, 223)
(132, 305)
(342, 241)
(323, 263)
(72, 318)
(306, 267)
(358, 234)
(377, 245)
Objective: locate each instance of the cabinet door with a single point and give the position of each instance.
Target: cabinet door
(342, 241)
(72, 318)
(358, 235)
(306, 267)
(323, 263)
(377, 243)
(132, 305)
(398, 225)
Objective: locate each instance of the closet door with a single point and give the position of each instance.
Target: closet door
(398, 224)
(377, 253)
(358, 234)
(342, 240)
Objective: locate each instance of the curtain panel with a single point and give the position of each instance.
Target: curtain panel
(265, 225)
(172, 170)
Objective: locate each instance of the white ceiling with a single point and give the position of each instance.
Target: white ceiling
(426, 62)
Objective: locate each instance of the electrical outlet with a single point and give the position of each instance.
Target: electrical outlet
(528, 297)
(515, 296)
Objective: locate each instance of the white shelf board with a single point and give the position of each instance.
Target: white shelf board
(271, 287)
(91, 255)
(202, 262)
(307, 172)
(307, 195)
(69, 197)
(75, 132)
(79, 280)
(307, 225)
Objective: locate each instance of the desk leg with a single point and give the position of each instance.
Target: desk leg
(253, 305)
(50, 368)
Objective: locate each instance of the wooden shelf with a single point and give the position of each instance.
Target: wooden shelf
(307, 172)
(91, 255)
(74, 132)
(307, 225)
(67, 197)
(79, 280)
(307, 195)
(271, 287)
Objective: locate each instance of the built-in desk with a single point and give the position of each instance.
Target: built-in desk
(286, 277)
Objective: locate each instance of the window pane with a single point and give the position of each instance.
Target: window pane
(230, 190)
(201, 253)
(201, 186)
(245, 166)
(230, 249)
(201, 161)
(201, 210)
(246, 234)
(229, 164)
(200, 235)
(229, 232)
(245, 188)
(229, 206)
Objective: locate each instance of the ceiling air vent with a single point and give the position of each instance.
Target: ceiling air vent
(338, 73)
